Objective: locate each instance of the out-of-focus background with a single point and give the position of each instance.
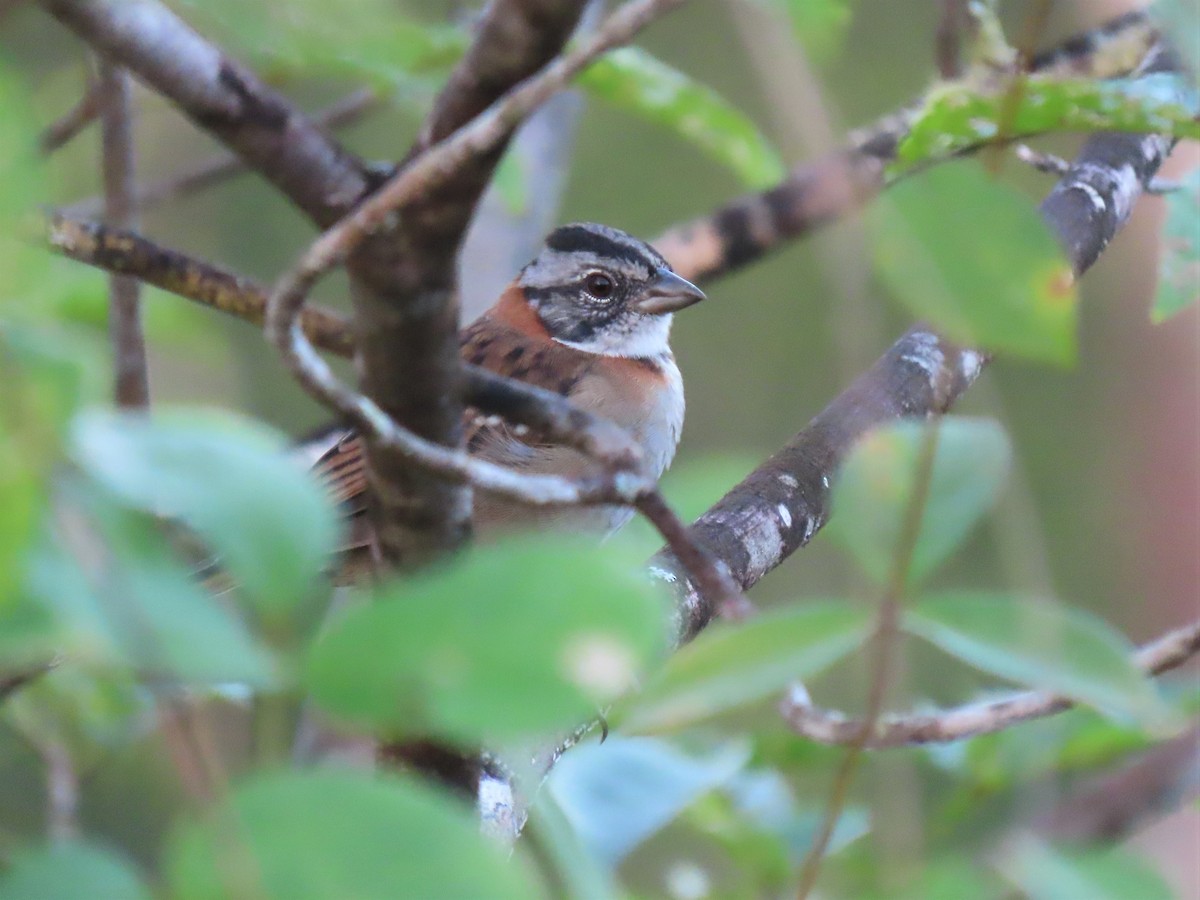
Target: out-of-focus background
(1102, 510)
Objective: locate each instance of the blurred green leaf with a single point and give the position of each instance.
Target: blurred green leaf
(21, 190)
(820, 25)
(956, 116)
(973, 257)
(369, 40)
(325, 834)
(1179, 273)
(634, 81)
(729, 666)
(132, 604)
(618, 793)
(508, 641)
(580, 874)
(872, 490)
(1044, 873)
(1042, 644)
(45, 376)
(231, 480)
(941, 879)
(69, 870)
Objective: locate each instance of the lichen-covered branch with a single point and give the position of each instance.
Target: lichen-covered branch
(779, 507)
(830, 727)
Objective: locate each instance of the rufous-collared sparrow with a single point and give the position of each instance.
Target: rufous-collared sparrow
(589, 318)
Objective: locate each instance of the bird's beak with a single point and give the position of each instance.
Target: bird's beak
(667, 293)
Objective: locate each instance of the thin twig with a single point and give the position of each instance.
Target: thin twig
(221, 166)
(830, 727)
(60, 132)
(131, 380)
(887, 631)
(948, 38)
(711, 576)
(62, 790)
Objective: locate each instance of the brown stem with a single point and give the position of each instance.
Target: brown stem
(131, 381)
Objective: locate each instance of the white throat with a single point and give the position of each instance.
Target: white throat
(650, 338)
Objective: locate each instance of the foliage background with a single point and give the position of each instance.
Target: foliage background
(1102, 506)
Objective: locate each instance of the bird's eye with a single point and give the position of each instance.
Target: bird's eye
(599, 285)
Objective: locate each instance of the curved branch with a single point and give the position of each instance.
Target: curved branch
(830, 727)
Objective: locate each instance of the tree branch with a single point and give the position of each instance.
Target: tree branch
(779, 507)
(817, 193)
(131, 378)
(407, 340)
(222, 166)
(63, 130)
(830, 727)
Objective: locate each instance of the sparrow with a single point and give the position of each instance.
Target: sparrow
(589, 318)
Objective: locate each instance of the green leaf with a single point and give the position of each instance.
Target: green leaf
(729, 666)
(973, 257)
(958, 116)
(618, 793)
(820, 25)
(22, 188)
(1179, 272)
(270, 522)
(132, 604)
(1042, 644)
(68, 870)
(44, 378)
(324, 834)
(634, 81)
(369, 40)
(1043, 873)
(872, 491)
(508, 641)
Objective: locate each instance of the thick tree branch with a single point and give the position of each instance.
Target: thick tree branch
(781, 505)
(224, 98)
(1114, 805)
(404, 283)
(131, 379)
(830, 727)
